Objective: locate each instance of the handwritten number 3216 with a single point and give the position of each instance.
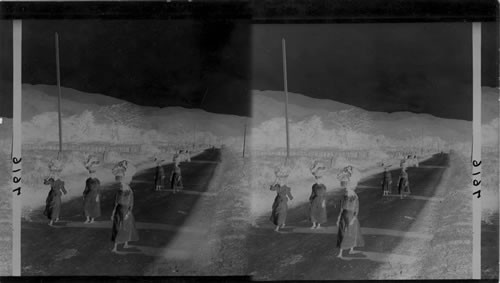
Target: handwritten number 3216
(476, 183)
(16, 179)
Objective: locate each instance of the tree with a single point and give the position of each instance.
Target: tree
(349, 121)
(123, 114)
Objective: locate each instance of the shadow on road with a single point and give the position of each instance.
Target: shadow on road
(88, 248)
(384, 220)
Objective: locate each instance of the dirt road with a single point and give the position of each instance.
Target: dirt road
(301, 253)
(163, 220)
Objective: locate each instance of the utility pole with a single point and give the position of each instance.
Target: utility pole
(286, 101)
(244, 139)
(59, 96)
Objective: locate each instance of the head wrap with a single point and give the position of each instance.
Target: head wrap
(318, 169)
(91, 163)
(282, 171)
(120, 168)
(55, 165)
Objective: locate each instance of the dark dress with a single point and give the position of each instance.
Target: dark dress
(159, 178)
(280, 204)
(176, 179)
(53, 201)
(91, 198)
(404, 184)
(317, 210)
(349, 236)
(386, 182)
(124, 229)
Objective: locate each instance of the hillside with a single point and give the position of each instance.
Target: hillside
(268, 105)
(42, 99)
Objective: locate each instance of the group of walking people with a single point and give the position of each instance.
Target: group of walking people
(176, 175)
(403, 185)
(349, 232)
(123, 222)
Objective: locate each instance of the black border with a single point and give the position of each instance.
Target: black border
(261, 11)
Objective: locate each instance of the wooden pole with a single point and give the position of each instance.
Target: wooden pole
(194, 137)
(286, 100)
(59, 97)
(244, 139)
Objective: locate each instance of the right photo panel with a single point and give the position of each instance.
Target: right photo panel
(361, 145)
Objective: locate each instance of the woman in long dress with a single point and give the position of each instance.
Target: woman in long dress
(317, 200)
(386, 181)
(159, 176)
(349, 233)
(403, 184)
(53, 201)
(176, 178)
(92, 198)
(124, 229)
(280, 204)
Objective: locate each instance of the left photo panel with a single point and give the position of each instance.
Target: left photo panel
(128, 130)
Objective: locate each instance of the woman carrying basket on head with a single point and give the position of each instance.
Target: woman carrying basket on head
(53, 201)
(124, 229)
(317, 200)
(92, 192)
(280, 204)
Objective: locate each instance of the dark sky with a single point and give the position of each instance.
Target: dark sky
(383, 67)
(148, 62)
(417, 67)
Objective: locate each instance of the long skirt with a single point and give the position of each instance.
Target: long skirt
(176, 183)
(386, 188)
(123, 229)
(159, 182)
(279, 212)
(52, 206)
(403, 187)
(317, 213)
(349, 236)
(92, 206)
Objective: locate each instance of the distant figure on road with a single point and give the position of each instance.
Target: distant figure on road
(404, 163)
(159, 176)
(386, 181)
(123, 230)
(349, 233)
(280, 204)
(415, 161)
(53, 201)
(176, 157)
(403, 183)
(176, 178)
(317, 200)
(91, 194)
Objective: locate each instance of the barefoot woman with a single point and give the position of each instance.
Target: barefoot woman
(349, 233)
(53, 201)
(124, 229)
(280, 204)
(92, 192)
(317, 200)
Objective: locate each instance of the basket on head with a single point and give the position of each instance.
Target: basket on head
(91, 163)
(120, 169)
(385, 165)
(158, 160)
(55, 166)
(282, 171)
(318, 169)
